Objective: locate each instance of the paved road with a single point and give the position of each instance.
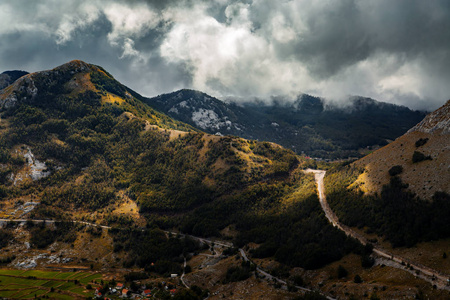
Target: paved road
(426, 273)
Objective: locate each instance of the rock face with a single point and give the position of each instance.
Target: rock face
(34, 170)
(431, 138)
(23, 88)
(437, 120)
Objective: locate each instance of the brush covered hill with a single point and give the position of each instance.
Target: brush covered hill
(307, 125)
(81, 144)
(400, 191)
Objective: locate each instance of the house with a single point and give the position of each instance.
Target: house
(147, 293)
(173, 275)
(124, 293)
(119, 286)
(173, 292)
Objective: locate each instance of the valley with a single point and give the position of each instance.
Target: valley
(93, 180)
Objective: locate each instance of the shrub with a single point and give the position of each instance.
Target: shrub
(237, 274)
(367, 261)
(341, 272)
(421, 142)
(419, 156)
(5, 236)
(298, 280)
(395, 170)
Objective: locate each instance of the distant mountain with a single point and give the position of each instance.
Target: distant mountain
(308, 125)
(8, 77)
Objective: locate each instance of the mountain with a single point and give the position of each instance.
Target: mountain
(307, 125)
(401, 191)
(425, 175)
(8, 77)
(76, 143)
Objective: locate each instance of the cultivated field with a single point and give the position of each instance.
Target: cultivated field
(23, 284)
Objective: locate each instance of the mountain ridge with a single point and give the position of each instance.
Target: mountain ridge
(308, 125)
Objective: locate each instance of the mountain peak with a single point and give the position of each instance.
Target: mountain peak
(75, 65)
(28, 86)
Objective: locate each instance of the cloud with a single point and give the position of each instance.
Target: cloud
(395, 51)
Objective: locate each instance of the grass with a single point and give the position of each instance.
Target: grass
(10, 272)
(7, 294)
(88, 279)
(41, 274)
(80, 291)
(59, 296)
(19, 284)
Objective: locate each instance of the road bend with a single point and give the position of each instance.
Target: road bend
(433, 276)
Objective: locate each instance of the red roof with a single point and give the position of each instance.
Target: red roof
(147, 292)
(119, 285)
(124, 291)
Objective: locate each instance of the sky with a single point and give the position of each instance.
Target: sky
(392, 51)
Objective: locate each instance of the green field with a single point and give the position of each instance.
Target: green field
(32, 284)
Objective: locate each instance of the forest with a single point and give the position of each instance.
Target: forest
(395, 214)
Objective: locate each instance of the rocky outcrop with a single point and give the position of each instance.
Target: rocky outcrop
(24, 88)
(437, 120)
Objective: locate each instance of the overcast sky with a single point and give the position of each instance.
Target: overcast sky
(394, 51)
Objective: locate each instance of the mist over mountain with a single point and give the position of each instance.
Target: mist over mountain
(307, 125)
(396, 52)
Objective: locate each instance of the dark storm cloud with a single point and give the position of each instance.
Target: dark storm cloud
(394, 51)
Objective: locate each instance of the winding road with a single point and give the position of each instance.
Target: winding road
(426, 273)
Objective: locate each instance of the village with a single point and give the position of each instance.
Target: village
(137, 289)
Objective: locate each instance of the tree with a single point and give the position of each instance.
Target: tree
(357, 279)
(395, 170)
(341, 272)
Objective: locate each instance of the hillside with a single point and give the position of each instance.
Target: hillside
(425, 177)
(402, 191)
(307, 125)
(81, 145)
